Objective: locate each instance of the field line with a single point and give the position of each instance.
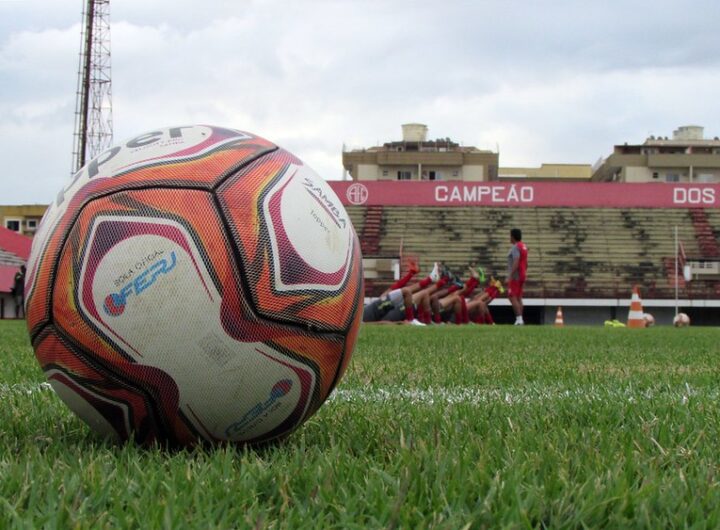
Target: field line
(681, 394)
(22, 388)
(481, 396)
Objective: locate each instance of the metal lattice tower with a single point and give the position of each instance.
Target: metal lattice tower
(93, 107)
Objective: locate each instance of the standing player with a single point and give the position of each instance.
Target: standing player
(517, 273)
(18, 290)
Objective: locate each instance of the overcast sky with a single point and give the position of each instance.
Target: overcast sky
(553, 82)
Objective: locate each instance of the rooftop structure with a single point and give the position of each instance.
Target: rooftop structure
(686, 157)
(417, 158)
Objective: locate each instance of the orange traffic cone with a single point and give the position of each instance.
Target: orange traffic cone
(636, 317)
(559, 318)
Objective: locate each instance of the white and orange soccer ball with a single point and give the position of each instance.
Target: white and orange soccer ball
(681, 320)
(195, 284)
(649, 320)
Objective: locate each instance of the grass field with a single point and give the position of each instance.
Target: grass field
(447, 427)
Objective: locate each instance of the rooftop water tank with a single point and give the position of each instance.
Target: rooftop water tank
(414, 132)
(688, 132)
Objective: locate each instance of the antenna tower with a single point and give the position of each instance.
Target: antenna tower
(93, 106)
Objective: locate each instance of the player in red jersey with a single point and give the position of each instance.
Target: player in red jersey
(446, 303)
(478, 306)
(449, 302)
(398, 296)
(401, 301)
(517, 273)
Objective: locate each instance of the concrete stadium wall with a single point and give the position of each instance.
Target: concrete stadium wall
(596, 316)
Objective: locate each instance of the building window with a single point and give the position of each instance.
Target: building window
(12, 224)
(385, 173)
(32, 224)
(404, 175)
(655, 174)
(456, 173)
(672, 177)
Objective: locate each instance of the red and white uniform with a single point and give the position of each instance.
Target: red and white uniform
(492, 292)
(516, 280)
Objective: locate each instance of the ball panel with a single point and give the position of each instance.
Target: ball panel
(326, 351)
(297, 245)
(94, 409)
(140, 276)
(286, 387)
(93, 389)
(310, 238)
(193, 156)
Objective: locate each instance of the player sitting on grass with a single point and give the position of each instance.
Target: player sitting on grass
(436, 281)
(397, 295)
(477, 307)
(443, 304)
(449, 304)
(396, 304)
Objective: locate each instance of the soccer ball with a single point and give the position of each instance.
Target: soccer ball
(649, 320)
(681, 320)
(195, 284)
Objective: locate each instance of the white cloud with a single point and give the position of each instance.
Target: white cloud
(553, 82)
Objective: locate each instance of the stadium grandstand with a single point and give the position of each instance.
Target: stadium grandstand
(593, 232)
(590, 241)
